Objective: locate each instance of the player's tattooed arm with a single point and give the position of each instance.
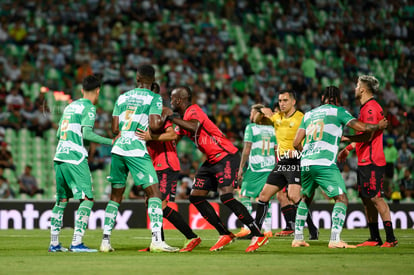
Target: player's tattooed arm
(366, 127)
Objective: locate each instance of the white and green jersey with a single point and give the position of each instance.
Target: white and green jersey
(324, 126)
(133, 109)
(78, 114)
(262, 153)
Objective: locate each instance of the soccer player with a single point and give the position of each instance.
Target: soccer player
(219, 171)
(259, 150)
(322, 128)
(286, 173)
(163, 152)
(73, 177)
(139, 108)
(371, 165)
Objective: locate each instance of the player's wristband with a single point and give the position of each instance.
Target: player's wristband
(349, 147)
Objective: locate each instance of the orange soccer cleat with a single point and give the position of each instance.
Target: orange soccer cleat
(256, 243)
(223, 241)
(285, 233)
(390, 244)
(191, 244)
(370, 243)
(242, 233)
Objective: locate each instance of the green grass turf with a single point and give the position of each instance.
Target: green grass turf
(25, 252)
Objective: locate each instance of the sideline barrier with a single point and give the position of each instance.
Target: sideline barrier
(132, 214)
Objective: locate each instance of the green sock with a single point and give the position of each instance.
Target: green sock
(267, 224)
(301, 214)
(338, 219)
(246, 201)
(111, 212)
(56, 222)
(81, 223)
(155, 216)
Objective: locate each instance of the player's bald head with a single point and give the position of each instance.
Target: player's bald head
(183, 92)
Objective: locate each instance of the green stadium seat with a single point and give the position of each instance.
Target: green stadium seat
(106, 91)
(39, 21)
(410, 97)
(51, 30)
(289, 39)
(34, 90)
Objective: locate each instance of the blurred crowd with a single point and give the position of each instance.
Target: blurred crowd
(232, 53)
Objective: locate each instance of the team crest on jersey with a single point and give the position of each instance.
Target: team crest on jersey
(159, 104)
(291, 124)
(91, 115)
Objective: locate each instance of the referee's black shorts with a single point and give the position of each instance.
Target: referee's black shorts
(286, 171)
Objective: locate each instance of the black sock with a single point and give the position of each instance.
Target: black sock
(162, 234)
(289, 212)
(241, 212)
(374, 231)
(208, 212)
(262, 208)
(309, 221)
(389, 232)
(177, 220)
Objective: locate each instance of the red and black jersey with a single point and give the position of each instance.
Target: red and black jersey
(208, 138)
(371, 152)
(164, 153)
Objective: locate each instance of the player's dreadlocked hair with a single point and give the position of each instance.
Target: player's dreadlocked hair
(331, 95)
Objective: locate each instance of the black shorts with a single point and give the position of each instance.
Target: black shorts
(223, 173)
(286, 171)
(370, 181)
(168, 183)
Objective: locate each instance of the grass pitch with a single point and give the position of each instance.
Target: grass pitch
(25, 252)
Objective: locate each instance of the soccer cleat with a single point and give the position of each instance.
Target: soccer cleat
(190, 244)
(370, 243)
(223, 241)
(340, 244)
(285, 233)
(242, 233)
(390, 244)
(106, 246)
(147, 249)
(256, 243)
(81, 248)
(57, 248)
(299, 243)
(314, 235)
(162, 247)
(268, 234)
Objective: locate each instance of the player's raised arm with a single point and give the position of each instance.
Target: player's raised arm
(267, 112)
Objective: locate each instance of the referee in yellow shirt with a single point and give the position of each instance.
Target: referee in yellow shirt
(286, 174)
